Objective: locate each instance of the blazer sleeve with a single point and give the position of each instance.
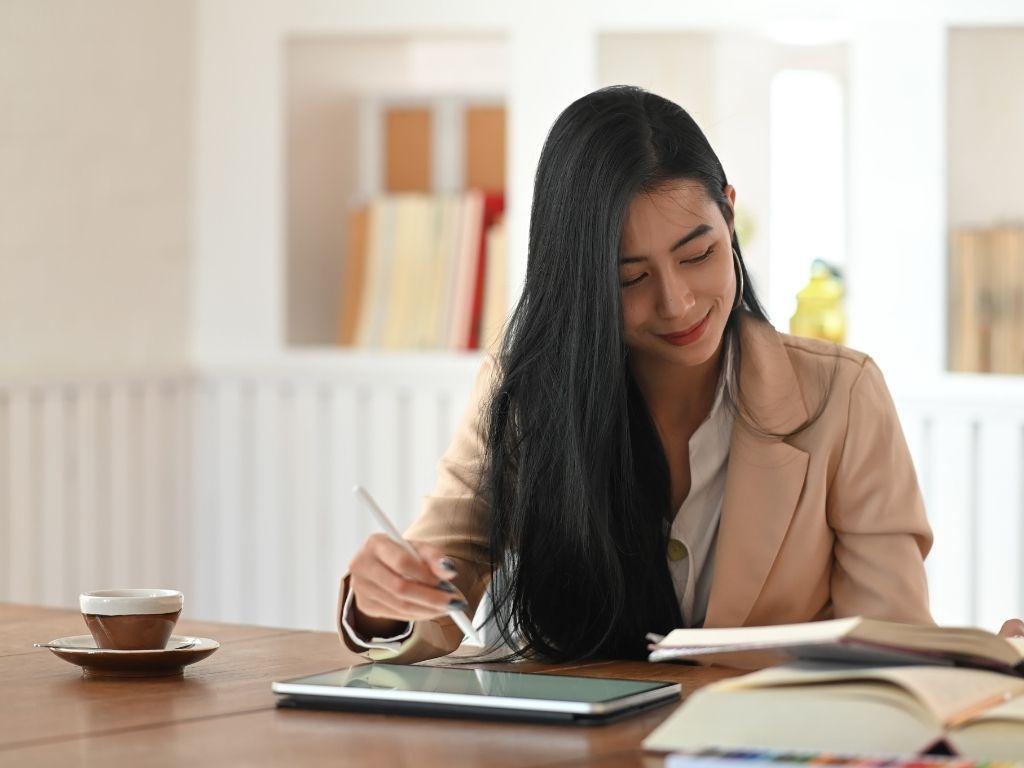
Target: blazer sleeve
(877, 512)
(454, 520)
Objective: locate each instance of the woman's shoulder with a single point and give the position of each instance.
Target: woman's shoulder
(847, 379)
(811, 356)
(808, 358)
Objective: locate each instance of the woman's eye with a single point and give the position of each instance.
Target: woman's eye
(702, 257)
(697, 260)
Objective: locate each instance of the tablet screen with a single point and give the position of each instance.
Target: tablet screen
(478, 682)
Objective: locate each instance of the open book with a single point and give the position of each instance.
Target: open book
(841, 708)
(855, 639)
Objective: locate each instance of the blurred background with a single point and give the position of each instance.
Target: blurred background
(250, 253)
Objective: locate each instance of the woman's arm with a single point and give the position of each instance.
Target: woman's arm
(875, 507)
(452, 521)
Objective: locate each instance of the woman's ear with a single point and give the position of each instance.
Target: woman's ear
(730, 195)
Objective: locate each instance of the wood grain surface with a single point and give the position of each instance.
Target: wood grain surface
(221, 712)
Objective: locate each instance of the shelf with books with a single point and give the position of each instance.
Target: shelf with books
(425, 272)
(396, 193)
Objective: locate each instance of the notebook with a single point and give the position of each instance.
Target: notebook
(844, 708)
(852, 639)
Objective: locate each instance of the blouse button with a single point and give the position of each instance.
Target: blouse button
(676, 550)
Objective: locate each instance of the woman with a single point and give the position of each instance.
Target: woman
(643, 450)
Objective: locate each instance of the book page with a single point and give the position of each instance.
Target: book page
(812, 631)
(855, 718)
(1018, 645)
(948, 693)
(962, 641)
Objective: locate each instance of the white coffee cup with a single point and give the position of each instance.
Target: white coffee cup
(131, 619)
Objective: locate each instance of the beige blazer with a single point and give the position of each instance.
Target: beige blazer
(827, 524)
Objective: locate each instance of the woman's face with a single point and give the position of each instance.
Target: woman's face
(676, 274)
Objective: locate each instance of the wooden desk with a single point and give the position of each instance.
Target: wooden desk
(222, 711)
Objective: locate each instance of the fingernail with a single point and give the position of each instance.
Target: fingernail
(448, 565)
(460, 604)
(446, 586)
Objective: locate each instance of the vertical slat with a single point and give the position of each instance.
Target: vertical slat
(999, 524)
(423, 438)
(348, 524)
(950, 498)
(381, 435)
(327, 511)
(266, 502)
(5, 493)
(51, 501)
(71, 501)
(401, 462)
(227, 520)
(84, 488)
(1016, 504)
(169, 464)
(187, 494)
(303, 507)
(21, 566)
(283, 508)
(205, 544)
(148, 456)
(121, 527)
(104, 446)
(247, 535)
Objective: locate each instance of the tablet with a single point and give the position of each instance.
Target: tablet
(476, 693)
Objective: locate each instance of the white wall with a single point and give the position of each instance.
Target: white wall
(95, 167)
(986, 124)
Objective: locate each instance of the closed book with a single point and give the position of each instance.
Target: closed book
(377, 277)
(495, 307)
(467, 257)
(412, 237)
(842, 708)
(355, 267)
(494, 205)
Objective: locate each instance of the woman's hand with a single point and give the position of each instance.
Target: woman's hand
(392, 587)
(1012, 628)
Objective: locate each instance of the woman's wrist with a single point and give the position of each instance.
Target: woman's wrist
(373, 626)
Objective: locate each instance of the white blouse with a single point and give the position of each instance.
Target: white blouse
(693, 532)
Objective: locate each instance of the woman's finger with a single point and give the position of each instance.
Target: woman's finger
(385, 601)
(398, 559)
(442, 566)
(1012, 628)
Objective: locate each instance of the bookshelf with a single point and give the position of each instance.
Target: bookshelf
(540, 58)
(397, 178)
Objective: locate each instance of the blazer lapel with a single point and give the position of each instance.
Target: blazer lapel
(764, 480)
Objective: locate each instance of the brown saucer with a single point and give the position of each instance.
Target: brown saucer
(106, 662)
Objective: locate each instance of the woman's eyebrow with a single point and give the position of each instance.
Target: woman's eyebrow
(697, 231)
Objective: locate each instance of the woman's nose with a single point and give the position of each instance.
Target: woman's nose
(675, 297)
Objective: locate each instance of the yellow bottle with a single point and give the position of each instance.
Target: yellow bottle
(819, 306)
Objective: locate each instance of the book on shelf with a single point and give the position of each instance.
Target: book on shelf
(986, 297)
(422, 272)
(847, 708)
(849, 640)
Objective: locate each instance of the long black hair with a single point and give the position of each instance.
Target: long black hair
(574, 475)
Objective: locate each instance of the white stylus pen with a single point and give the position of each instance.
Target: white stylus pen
(459, 617)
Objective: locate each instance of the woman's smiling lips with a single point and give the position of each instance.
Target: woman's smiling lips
(688, 336)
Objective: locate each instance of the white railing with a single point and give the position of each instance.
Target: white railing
(235, 484)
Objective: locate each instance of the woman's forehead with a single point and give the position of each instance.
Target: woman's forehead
(657, 214)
